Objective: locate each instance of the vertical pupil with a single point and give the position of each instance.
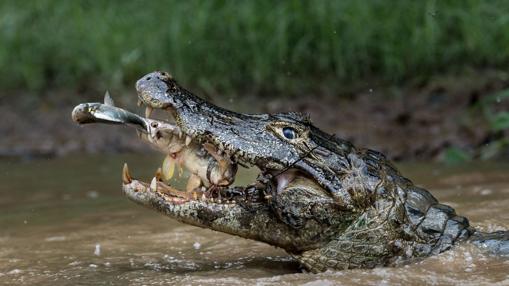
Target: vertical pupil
(289, 132)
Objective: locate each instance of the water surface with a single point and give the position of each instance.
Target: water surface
(66, 222)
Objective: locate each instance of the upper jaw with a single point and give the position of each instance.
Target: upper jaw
(229, 132)
(242, 138)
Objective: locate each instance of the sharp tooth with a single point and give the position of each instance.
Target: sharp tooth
(153, 184)
(159, 174)
(181, 170)
(139, 103)
(188, 140)
(148, 111)
(168, 168)
(126, 177)
(108, 100)
(203, 197)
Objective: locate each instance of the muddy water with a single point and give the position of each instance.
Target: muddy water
(65, 222)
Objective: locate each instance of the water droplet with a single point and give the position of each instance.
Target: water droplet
(55, 238)
(97, 250)
(92, 194)
(486, 192)
(15, 271)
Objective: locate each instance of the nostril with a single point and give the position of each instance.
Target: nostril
(148, 78)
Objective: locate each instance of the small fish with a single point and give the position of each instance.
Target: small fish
(96, 112)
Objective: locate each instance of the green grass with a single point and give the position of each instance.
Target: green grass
(258, 46)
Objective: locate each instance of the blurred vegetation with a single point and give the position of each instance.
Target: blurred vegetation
(280, 46)
(497, 121)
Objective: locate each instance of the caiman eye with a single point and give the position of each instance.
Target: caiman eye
(289, 133)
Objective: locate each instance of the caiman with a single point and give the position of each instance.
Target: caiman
(327, 203)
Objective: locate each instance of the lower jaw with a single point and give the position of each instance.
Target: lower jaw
(223, 196)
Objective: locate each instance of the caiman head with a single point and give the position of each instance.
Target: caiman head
(325, 202)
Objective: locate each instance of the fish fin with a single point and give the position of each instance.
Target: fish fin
(108, 100)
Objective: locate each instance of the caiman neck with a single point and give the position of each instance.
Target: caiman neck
(404, 222)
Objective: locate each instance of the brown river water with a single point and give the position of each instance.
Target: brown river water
(65, 222)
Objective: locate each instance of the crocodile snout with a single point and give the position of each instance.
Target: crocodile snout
(155, 84)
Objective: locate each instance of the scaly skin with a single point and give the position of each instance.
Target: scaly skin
(327, 203)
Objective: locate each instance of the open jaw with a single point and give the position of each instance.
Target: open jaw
(272, 209)
(313, 191)
(212, 172)
(296, 203)
(209, 199)
(204, 140)
(210, 143)
(266, 210)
